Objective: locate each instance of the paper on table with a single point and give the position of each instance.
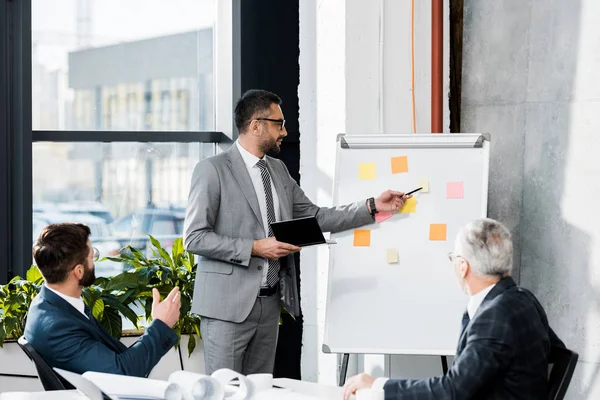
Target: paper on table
(455, 190)
(362, 237)
(197, 386)
(424, 183)
(399, 164)
(410, 206)
(244, 391)
(130, 386)
(437, 232)
(382, 216)
(366, 172)
(392, 256)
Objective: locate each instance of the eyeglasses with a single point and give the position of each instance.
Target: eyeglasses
(281, 122)
(452, 256)
(96, 254)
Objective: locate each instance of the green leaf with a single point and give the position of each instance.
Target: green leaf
(34, 275)
(2, 333)
(127, 312)
(126, 280)
(98, 309)
(191, 345)
(112, 322)
(163, 253)
(177, 248)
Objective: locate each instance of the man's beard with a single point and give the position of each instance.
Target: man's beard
(89, 277)
(269, 145)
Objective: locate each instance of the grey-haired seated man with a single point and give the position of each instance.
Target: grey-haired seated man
(505, 341)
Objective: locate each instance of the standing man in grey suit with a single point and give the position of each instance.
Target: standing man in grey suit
(244, 274)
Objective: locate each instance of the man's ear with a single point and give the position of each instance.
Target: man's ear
(253, 127)
(464, 268)
(78, 271)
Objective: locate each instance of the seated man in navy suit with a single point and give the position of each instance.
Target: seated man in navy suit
(505, 340)
(62, 329)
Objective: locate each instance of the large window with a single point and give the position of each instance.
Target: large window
(123, 107)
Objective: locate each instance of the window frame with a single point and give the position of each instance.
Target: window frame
(17, 137)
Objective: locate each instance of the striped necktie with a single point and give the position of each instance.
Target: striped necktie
(274, 265)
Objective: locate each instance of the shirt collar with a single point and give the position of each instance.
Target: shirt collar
(476, 300)
(74, 301)
(249, 159)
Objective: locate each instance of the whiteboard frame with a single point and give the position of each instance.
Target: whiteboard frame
(449, 140)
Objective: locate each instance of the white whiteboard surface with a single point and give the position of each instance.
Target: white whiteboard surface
(414, 306)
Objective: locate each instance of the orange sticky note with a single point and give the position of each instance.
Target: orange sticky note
(455, 190)
(410, 206)
(437, 232)
(362, 237)
(366, 172)
(399, 164)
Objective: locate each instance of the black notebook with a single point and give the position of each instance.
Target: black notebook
(300, 232)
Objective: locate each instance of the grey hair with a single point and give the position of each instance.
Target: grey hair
(487, 245)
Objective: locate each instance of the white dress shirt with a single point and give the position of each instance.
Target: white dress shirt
(474, 303)
(476, 300)
(74, 301)
(250, 160)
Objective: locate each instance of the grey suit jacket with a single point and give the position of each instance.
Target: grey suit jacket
(222, 221)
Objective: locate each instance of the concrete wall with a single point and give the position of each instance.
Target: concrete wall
(529, 78)
(355, 78)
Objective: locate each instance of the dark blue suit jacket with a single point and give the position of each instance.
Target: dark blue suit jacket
(502, 353)
(66, 339)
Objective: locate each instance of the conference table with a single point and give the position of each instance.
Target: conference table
(319, 391)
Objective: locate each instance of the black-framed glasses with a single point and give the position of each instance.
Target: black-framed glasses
(96, 254)
(281, 122)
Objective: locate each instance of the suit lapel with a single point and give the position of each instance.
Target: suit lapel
(500, 287)
(281, 190)
(240, 174)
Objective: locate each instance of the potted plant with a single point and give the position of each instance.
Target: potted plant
(164, 271)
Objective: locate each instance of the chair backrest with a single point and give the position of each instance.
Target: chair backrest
(563, 363)
(50, 380)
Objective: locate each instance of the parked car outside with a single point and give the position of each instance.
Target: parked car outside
(165, 224)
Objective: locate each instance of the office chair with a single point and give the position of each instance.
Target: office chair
(50, 380)
(563, 363)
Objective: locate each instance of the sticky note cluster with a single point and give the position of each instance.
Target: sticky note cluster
(368, 171)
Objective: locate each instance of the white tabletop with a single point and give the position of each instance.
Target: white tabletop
(307, 388)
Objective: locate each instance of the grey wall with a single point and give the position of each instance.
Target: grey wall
(529, 78)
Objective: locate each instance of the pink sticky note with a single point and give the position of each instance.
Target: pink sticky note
(382, 216)
(455, 190)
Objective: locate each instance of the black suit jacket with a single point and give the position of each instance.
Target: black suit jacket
(502, 353)
(66, 339)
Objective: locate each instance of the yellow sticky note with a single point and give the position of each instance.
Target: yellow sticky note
(399, 164)
(362, 237)
(410, 206)
(366, 172)
(437, 232)
(424, 183)
(392, 256)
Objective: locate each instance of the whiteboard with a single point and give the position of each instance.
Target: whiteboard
(413, 306)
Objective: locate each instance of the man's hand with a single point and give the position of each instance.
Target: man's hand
(357, 382)
(272, 249)
(168, 309)
(390, 201)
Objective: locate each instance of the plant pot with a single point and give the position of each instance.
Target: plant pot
(174, 358)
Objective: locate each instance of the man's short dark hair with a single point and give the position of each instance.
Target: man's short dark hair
(251, 103)
(59, 248)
